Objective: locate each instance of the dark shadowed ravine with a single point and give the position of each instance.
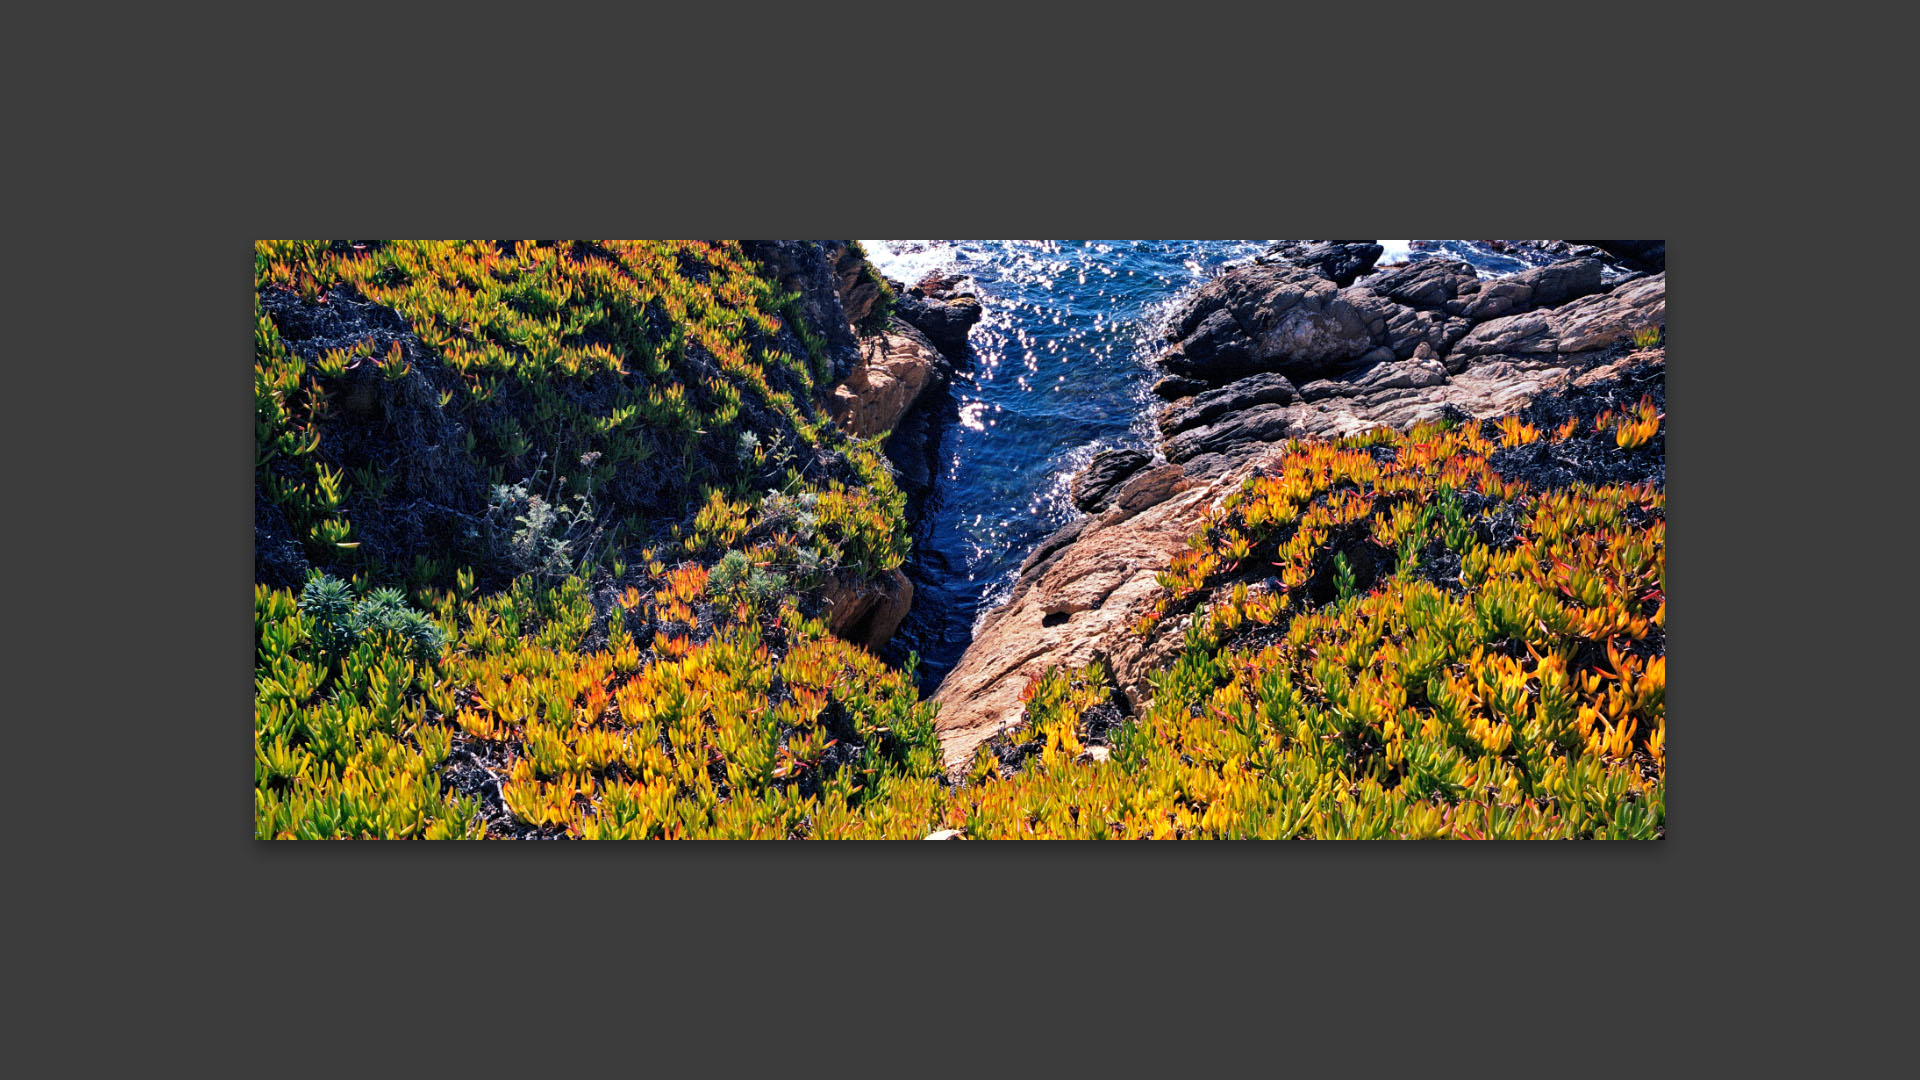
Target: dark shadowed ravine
(1061, 370)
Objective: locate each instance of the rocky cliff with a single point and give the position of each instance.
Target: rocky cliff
(902, 370)
(1312, 340)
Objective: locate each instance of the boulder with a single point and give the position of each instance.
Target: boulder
(938, 286)
(1496, 298)
(1551, 286)
(944, 322)
(1377, 376)
(1339, 261)
(1430, 284)
(1272, 317)
(1408, 329)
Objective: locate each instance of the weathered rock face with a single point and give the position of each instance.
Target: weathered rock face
(1554, 285)
(1268, 389)
(1259, 424)
(1175, 387)
(1339, 261)
(1430, 285)
(1402, 346)
(1408, 330)
(1272, 317)
(1382, 375)
(942, 308)
(1103, 475)
(867, 612)
(1585, 325)
(856, 288)
(1075, 602)
(894, 368)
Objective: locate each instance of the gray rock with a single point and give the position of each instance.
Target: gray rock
(1260, 424)
(1497, 298)
(1272, 317)
(1380, 375)
(1263, 389)
(1551, 286)
(1174, 387)
(1583, 325)
(1408, 329)
(1339, 261)
(1094, 487)
(1210, 466)
(1430, 284)
(944, 322)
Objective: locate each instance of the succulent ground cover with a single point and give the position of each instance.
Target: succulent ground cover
(1388, 636)
(586, 604)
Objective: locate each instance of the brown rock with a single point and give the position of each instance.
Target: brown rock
(893, 369)
(851, 280)
(939, 286)
(867, 612)
(1653, 357)
(1075, 606)
(1150, 488)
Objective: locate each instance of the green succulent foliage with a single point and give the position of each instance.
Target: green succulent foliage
(339, 623)
(736, 578)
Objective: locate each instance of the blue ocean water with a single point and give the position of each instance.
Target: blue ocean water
(1061, 370)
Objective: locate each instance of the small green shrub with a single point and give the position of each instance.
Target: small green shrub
(736, 578)
(339, 623)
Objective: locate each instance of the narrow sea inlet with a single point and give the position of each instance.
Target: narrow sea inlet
(1061, 371)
